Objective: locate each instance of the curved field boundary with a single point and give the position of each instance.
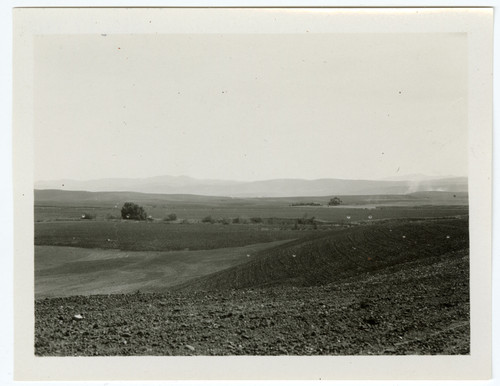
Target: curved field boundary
(156, 236)
(66, 271)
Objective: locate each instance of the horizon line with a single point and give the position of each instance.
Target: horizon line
(385, 179)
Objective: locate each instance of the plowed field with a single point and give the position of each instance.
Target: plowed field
(329, 257)
(387, 289)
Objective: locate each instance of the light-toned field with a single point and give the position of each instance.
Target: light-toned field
(66, 271)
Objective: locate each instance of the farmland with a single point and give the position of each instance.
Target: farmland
(75, 271)
(69, 206)
(416, 306)
(266, 276)
(144, 236)
(339, 254)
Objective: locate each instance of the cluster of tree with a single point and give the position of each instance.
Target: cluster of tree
(246, 220)
(305, 204)
(335, 201)
(131, 211)
(236, 220)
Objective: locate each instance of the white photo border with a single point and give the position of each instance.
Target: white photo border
(476, 22)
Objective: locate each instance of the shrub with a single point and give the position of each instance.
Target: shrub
(306, 220)
(171, 217)
(225, 221)
(208, 219)
(240, 220)
(131, 211)
(256, 220)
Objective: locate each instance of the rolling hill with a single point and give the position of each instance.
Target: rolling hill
(70, 197)
(267, 188)
(338, 255)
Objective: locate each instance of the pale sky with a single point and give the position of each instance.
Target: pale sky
(250, 107)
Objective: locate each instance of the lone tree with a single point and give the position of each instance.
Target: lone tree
(131, 211)
(335, 201)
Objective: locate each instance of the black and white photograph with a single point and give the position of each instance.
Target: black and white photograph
(284, 191)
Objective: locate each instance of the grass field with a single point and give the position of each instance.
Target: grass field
(332, 214)
(66, 271)
(156, 236)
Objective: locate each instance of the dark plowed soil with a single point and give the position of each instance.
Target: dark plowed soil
(417, 306)
(325, 258)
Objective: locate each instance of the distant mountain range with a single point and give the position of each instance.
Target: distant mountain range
(267, 188)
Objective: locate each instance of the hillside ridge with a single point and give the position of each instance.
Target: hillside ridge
(264, 188)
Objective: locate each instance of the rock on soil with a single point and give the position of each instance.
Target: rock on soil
(419, 307)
